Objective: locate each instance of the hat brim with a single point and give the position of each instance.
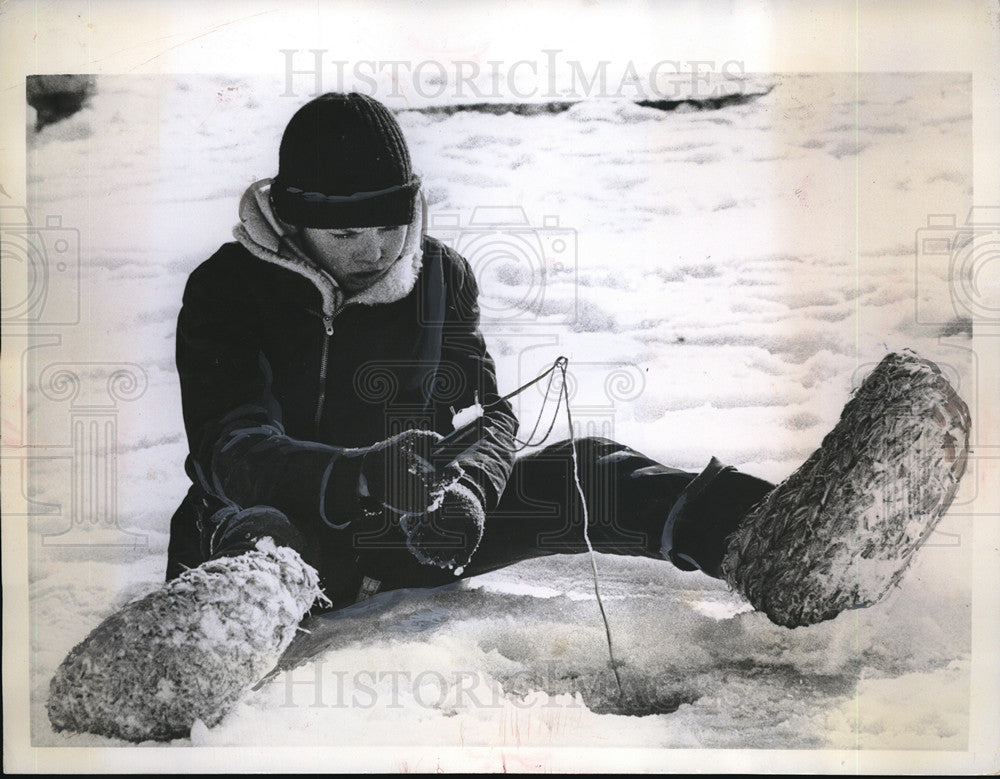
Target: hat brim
(389, 207)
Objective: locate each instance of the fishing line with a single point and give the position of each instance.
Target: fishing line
(561, 363)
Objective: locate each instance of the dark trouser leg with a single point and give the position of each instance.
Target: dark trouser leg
(203, 528)
(629, 498)
(184, 550)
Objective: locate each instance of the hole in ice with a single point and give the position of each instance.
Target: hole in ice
(641, 695)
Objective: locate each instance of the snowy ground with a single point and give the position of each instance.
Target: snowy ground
(723, 279)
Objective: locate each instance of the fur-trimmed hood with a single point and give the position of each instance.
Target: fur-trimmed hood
(268, 238)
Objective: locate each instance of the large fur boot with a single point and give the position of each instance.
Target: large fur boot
(187, 651)
(841, 530)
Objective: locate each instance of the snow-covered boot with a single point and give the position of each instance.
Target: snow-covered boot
(187, 651)
(842, 529)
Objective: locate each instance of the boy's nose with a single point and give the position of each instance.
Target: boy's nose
(365, 247)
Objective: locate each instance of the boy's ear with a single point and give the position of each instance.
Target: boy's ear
(262, 189)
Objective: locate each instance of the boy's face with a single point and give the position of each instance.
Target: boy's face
(356, 257)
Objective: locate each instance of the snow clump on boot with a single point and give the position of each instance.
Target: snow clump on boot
(187, 651)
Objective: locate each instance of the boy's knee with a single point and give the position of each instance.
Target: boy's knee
(597, 446)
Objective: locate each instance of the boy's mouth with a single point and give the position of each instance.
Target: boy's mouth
(365, 278)
(368, 275)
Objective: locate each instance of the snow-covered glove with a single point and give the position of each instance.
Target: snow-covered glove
(448, 535)
(398, 474)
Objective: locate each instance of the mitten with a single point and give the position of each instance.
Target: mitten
(398, 473)
(448, 535)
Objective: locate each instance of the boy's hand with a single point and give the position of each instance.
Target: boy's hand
(448, 535)
(398, 473)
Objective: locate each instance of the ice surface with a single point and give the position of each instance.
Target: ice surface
(724, 275)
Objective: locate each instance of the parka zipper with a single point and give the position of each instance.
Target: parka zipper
(323, 360)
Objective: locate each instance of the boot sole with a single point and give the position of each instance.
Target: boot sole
(842, 529)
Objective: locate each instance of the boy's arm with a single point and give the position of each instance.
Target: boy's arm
(488, 466)
(239, 451)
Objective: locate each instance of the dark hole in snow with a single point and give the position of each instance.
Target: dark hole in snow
(640, 695)
(960, 325)
(57, 97)
(560, 106)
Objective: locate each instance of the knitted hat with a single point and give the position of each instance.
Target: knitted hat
(343, 162)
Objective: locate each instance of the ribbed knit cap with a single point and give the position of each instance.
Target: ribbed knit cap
(343, 162)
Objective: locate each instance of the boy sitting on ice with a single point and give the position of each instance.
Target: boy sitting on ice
(321, 357)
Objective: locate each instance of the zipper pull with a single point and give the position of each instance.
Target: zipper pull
(328, 324)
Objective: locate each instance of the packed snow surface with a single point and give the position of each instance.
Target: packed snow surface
(719, 280)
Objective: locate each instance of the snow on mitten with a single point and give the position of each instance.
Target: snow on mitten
(189, 650)
(448, 535)
(397, 472)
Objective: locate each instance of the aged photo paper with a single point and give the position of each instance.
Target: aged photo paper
(722, 215)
